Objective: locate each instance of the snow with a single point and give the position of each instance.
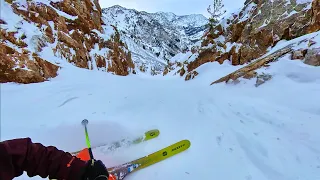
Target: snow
(220, 39)
(63, 14)
(94, 6)
(265, 23)
(144, 57)
(303, 1)
(290, 14)
(8, 16)
(266, 133)
(196, 20)
(230, 45)
(154, 38)
(34, 34)
(247, 12)
(237, 132)
(308, 2)
(181, 57)
(108, 31)
(23, 4)
(16, 23)
(296, 43)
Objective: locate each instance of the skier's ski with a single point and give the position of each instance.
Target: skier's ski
(120, 172)
(125, 142)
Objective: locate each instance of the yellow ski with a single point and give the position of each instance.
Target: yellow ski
(126, 142)
(120, 172)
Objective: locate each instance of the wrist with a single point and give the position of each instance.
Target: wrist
(77, 169)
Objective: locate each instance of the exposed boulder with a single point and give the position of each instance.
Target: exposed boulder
(250, 75)
(313, 57)
(191, 75)
(248, 71)
(262, 78)
(299, 54)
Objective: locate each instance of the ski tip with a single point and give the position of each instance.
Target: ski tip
(153, 131)
(152, 134)
(186, 142)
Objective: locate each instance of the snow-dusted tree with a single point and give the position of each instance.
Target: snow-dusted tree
(216, 12)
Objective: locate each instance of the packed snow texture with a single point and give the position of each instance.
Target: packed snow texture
(237, 132)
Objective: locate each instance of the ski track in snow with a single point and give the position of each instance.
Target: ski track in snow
(68, 100)
(237, 132)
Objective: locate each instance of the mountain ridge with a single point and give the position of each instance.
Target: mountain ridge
(155, 38)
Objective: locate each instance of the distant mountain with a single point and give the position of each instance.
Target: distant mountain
(154, 38)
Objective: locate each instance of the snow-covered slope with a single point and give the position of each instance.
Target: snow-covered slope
(237, 132)
(155, 36)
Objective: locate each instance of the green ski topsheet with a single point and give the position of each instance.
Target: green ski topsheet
(127, 142)
(148, 135)
(123, 170)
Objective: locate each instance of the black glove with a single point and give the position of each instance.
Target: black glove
(95, 170)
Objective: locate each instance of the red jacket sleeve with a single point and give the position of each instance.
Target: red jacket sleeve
(20, 155)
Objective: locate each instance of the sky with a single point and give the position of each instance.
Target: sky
(178, 7)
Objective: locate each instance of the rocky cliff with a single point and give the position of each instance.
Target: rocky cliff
(305, 48)
(252, 31)
(39, 37)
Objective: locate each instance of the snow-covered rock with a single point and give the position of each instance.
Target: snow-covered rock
(253, 30)
(284, 50)
(154, 38)
(39, 37)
